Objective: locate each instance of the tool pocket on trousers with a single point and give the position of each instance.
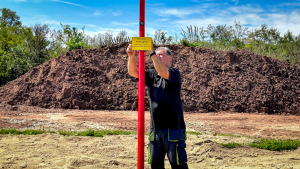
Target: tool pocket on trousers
(181, 156)
(176, 134)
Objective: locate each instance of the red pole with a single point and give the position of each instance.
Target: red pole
(141, 114)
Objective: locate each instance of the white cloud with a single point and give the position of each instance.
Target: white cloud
(251, 15)
(175, 12)
(51, 22)
(284, 22)
(19, 0)
(201, 0)
(117, 13)
(80, 24)
(244, 9)
(71, 3)
(97, 13)
(156, 4)
(125, 24)
(236, 1)
(115, 32)
(290, 4)
(162, 20)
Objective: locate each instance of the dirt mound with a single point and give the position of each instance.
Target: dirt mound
(237, 81)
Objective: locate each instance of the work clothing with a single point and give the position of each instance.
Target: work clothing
(161, 143)
(167, 133)
(164, 97)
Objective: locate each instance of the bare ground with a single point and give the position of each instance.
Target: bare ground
(56, 151)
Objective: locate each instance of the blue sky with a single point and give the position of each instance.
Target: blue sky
(168, 15)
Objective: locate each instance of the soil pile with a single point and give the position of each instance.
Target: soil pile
(237, 80)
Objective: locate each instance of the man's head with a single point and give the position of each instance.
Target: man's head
(165, 55)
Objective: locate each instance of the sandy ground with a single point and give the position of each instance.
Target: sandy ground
(56, 151)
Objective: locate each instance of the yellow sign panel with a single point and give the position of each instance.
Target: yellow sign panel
(141, 43)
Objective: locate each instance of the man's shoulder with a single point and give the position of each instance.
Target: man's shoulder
(173, 69)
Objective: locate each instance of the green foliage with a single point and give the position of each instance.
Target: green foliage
(72, 37)
(276, 145)
(25, 132)
(9, 18)
(265, 34)
(237, 43)
(76, 43)
(185, 42)
(15, 64)
(4, 76)
(231, 145)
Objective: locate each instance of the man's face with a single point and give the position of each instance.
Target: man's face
(165, 58)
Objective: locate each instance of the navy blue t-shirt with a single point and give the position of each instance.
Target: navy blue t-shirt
(164, 97)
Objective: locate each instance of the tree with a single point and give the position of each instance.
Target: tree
(10, 30)
(9, 18)
(266, 35)
(72, 37)
(38, 42)
(221, 33)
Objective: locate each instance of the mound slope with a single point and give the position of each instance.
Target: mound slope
(236, 80)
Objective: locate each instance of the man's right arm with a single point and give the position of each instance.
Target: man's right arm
(132, 69)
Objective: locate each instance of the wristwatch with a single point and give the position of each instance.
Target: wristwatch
(153, 53)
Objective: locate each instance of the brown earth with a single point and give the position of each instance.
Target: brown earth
(204, 151)
(213, 81)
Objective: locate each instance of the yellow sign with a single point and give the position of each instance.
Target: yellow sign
(141, 43)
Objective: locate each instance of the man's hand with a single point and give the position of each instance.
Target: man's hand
(129, 51)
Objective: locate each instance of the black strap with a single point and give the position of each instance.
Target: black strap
(153, 53)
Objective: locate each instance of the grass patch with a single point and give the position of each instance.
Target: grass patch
(231, 145)
(66, 133)
(25, 132)
(227, 135)
(90, 132)
(194, 133)
(276, 145)
(101, 133)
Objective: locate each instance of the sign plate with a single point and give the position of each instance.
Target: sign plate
(141, 43)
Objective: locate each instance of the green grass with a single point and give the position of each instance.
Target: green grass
(101, 133)
(194, 133)
(25, 132)
(228, 135)
(267, 144)
(90, 132)
(95, 133)
(276, 145)
(66, 133)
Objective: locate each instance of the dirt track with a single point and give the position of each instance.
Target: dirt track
(56, 151)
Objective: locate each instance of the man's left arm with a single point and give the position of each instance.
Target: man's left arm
(161, 69)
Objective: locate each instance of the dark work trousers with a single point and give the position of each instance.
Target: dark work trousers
(161, 146)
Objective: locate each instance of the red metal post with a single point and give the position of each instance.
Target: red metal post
(141, 114)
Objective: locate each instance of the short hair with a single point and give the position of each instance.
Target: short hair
(167, 50)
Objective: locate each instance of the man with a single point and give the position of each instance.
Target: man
(167, 133)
